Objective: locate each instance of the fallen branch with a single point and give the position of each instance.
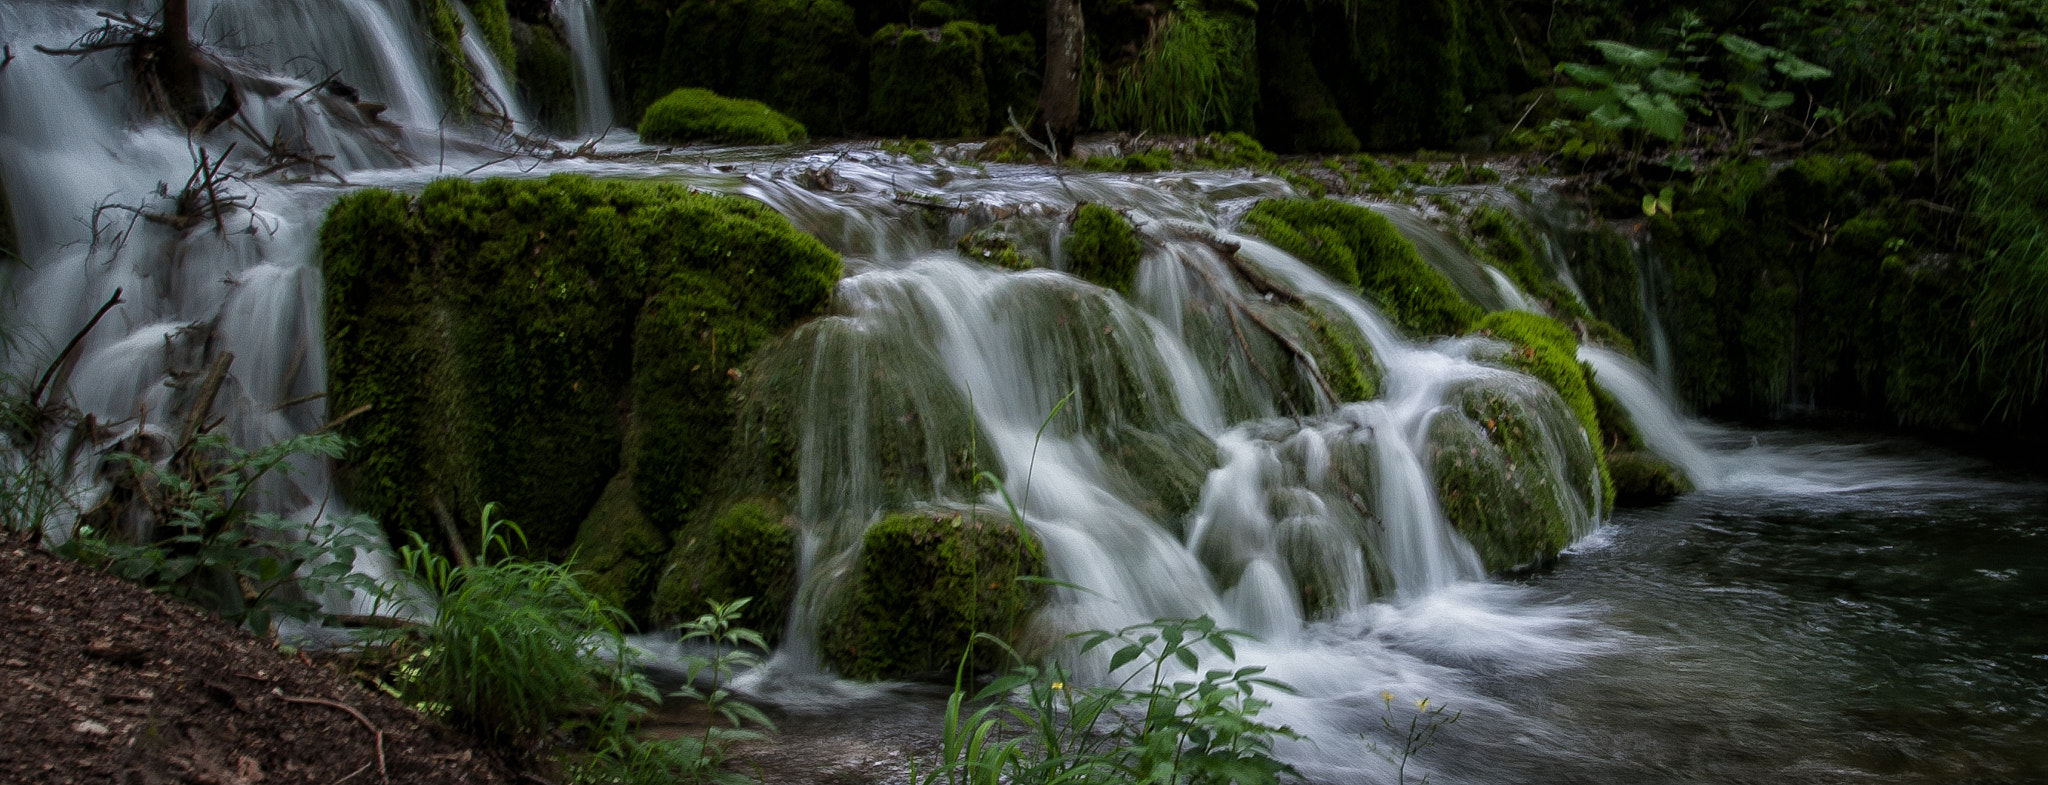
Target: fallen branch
(381, 772)
(1301, 355)
(35, 396)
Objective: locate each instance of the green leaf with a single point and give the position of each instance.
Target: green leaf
(1774, 101)
(1750, 52)
(1672, 82)
(1124, 656)
(1799, 70)
(1589, 74)
(1622, 54)
(1613, 116)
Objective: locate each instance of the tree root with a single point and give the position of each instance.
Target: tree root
(382, 773)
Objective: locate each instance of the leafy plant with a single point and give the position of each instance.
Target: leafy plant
(205, 545)
(1634, 90)
(517, 649)
(629, 761)
(1164, 723)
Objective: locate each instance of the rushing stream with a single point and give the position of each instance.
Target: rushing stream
(1826, 607)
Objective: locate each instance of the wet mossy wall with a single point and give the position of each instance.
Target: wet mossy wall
(1545, 349)
(1816, 286)
(546, 72)
(525, 342)
(1357, 247)
(923, 585)
(747, 550)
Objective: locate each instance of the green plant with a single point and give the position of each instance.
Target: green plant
(1416, 735)
(518, 649)
(629, 761)
(1634, 90)
(694, 114)
(1161, 727)
(204, 543)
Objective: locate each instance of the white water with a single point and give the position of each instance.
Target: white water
(493, 72)
(585, 37)
(1657, 421)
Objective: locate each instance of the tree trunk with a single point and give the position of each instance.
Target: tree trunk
(177, 68)
(1059, 102)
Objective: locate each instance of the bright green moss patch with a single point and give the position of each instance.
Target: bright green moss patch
(924, 584)
(515, 339)
(494, 25)
(1546, 350)
(445, 27)
(691, 115)
(749, 550)
(1360, 248)
(1103, 248)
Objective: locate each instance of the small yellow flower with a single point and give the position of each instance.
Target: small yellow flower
(1386, 696)
(1059, 685)
(1422, 705)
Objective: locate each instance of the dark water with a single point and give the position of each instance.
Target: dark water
(1840, 610)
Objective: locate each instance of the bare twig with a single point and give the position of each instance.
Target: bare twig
(336, 422)
(35, 396)
(202, 407)
(381, 772)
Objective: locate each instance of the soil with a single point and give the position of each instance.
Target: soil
(104, 682)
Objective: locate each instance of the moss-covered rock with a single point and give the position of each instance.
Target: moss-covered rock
(1642, 479)
(616, 549)
(494, 25)
(514, 339)
(1360, 248)
(693, 114)
(1513, 474)
(925, 582)
(1603, 263)
(749, 550)
(1008, 243)
(804, 58)
(546, 72)
(936, 83)
(444, 27)
(1233, 150)
(1103, 248)
(1545, 349)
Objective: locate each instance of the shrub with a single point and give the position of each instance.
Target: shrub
(694, 114)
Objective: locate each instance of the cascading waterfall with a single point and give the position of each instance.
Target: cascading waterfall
(585, 37)
(1655, 417)
(493, 72)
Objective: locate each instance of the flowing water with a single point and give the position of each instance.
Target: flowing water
(1826, 608)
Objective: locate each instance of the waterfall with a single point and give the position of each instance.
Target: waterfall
(493, 72)
(1650, 276)
(585, 36)
(1474, 279)
(1656, 418)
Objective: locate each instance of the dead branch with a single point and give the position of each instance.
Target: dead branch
(381, 772)
(35, 396)
(202, 407)
(336, 422)
(447, 522)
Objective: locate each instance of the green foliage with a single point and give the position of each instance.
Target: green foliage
(1632, 91)
(444, 26)
(923, 586)
(1199, 74)
(626, 760)
(1159, 723)
(2008, 188)
(206, 544)
(516, 649)
(1102, 248)
(498, 330)
(1359, 248)
(692, 114)
(1216, 151)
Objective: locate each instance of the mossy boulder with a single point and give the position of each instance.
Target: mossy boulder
(748, 550)
(1233, 150)
(617, 549)
(1642, 479)
(958, 79)
(1545, 349)
(1103, 248)
(1360, 248)
(692, 114)
(523, 341)
(1513, 473)
(802, 57)
(546, 72)
(924, 583)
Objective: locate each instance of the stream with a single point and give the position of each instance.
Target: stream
(1828, 607)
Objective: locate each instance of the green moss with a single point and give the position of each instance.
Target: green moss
(930, 82)
(691, 114)
(932, 13)
(444, 27)
(748, 550)
(1216, 151)
(494, 23)
(616, 549)
(1345, 358)
(1103, 248)
(1642, 479)
(1496, 470)
(923, 585)
(1161, 471)
(803, 57)
(1015, 245)
(547, 73)
(1359, 248)
(515, 339)
(1546, 350)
